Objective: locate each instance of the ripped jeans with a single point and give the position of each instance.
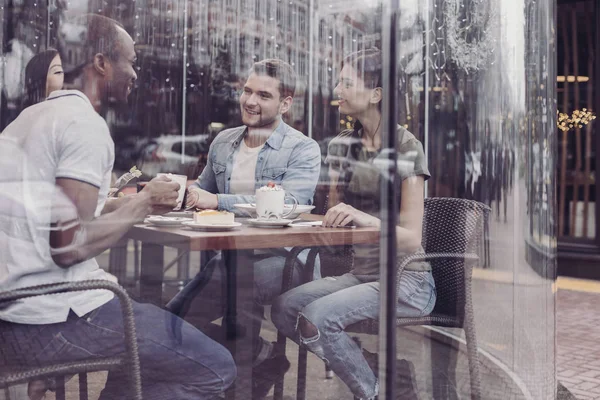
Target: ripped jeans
(333, 303)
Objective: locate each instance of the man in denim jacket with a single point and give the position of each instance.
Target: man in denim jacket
(264, 149)
(241, 160)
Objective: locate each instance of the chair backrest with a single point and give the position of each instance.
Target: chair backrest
(18, 372)
(453, 226)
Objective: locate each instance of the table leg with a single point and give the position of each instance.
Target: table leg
(117, 260)
(151, 273)
(239, 307)
(230, 289)
(183, 268)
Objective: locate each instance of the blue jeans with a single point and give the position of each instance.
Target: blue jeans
(333, 303)
(194, 368)
(207, 303)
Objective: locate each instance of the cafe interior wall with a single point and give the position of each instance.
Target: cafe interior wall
(477, 87)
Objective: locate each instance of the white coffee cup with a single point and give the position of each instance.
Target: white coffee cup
(182, 180)
(270, 204)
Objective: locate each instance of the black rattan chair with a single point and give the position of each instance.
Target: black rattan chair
(127, 363)
(452, 236)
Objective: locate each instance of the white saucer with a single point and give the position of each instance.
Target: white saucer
(159, 220)
(248, 208)
(270, 223)
(211, 227)
(181, 214)
(300, 209)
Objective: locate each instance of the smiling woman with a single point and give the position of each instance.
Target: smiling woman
(43, 75)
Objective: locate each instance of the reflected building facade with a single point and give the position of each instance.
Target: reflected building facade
(221, 41)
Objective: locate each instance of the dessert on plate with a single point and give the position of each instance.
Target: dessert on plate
(214, 217)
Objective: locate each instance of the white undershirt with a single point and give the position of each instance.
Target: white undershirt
(244, 170)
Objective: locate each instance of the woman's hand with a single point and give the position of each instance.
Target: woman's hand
(199, 198)
(343, 214)
(192, 198)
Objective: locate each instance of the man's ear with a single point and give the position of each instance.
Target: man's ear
(376, 95)
(100, 64)
(286, 104)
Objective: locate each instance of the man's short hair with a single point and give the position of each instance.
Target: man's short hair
(280, 70)
(101, 36)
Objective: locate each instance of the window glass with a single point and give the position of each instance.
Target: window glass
(422, 140)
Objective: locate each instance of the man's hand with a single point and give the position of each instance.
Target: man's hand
(199, 198)
(162, 194)
(343, 214)
(93, 235)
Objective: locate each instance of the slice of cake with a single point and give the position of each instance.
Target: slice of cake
(213, 217)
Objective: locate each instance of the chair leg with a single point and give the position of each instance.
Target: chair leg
(60, 388)
(279, 349)
(83, 386)
(486, 243)
(473, 360)
(136, 260)
(302, 366)
(328, 372)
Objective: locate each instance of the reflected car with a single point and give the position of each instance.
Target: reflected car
(340, 157)
(164, 154)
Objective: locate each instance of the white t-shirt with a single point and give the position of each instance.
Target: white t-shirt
(62, 137)
(244, 170)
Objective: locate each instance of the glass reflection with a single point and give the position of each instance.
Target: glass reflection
(485, 102)
(476, 88)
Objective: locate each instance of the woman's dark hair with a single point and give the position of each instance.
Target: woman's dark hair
(368, 65)
(36, 73)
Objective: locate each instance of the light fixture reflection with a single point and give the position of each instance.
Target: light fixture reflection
(572, 78)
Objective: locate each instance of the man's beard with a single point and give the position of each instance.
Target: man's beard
(117, 97)
(114, 101)
(261, 122)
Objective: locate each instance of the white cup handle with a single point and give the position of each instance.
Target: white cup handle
(287, 214)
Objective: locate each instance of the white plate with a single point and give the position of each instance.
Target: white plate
(251, 209)
(180, 214)
(211, 227)
(270, 223)
(159, 220)
(307, 223)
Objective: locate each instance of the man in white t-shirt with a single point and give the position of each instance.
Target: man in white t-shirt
(241, 160)
(56, 160)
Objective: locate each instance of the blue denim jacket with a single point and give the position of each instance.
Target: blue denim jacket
(288, 158)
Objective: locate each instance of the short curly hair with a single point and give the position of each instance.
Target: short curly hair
(101, 36)
(280, 70)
